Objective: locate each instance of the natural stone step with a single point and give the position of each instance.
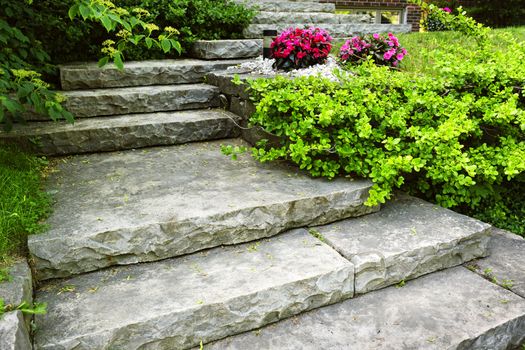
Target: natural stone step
(406, 239)
(506, 263)
(123, 208)
(14, 335)
(288, 6)
(177, 303)
(226, 49)
(454, 309)
(336, 30)
(142, 99)
(143, 73)
(104, 134)
(309, 17)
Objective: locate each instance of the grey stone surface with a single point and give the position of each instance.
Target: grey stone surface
(176, 303)
(19, 287)
(223, 80)
(453, 309)
(289, 6)
(123, 132)
(154, 72)
(406, 239)
(14, 334)
(123, 208)
(226, 49)
(264, 17)
(506, 261)
(335, 30)
(144, 99)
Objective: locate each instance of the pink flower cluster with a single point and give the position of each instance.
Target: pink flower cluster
(301, 48)
(383, 50)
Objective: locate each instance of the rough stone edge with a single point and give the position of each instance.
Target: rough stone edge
(20, 288)
(211, 49)
(373, 272)
(51, 143)
(341, 288)
(14, 333)
(193, 237)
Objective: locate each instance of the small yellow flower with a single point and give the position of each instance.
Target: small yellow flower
(171, 30)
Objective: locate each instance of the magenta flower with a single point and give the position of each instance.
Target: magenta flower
(446, 9)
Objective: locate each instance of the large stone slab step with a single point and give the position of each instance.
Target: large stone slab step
(142, 73)
(288, 6)
(226, 49)
(336, 30)
(454, 309)
(141, 99)
(177, 303)
(133, 206)
(264, 17)
(408, 238)
(103, 134)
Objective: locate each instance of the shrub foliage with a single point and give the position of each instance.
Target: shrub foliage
(456, 138)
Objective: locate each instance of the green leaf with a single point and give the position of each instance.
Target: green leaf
(73, 11)
(12, 106)
(149, 42)
(84, 11)
(103, 61)
(166, 45)
(117, 59)
(107, 23)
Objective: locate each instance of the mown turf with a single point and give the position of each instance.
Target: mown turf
(23, 203)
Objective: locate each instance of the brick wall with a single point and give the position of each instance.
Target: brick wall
(413, 13)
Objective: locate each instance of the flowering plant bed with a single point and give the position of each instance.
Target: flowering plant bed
(384, 51)
(301, 48)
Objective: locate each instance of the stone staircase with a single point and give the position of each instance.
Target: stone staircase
(158, 241)
(280, 15)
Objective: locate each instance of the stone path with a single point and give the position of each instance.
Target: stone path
(166, 247)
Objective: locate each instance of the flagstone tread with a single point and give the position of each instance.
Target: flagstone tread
(139, 73)
(408, 238)
(176, 303)
(102, 134)
(335, 30)
(505, 262)
(142, 99)
(454, 309)
(127, 207)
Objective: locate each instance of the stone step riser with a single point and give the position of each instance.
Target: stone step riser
(109, 102)
(453, 309)
(226, 49)
(123, 132)
(276, 18)
(255, 31)
(143, 73)
(180, 302)
(175, 201)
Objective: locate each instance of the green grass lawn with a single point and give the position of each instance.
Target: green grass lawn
(23, 203)
(419, 44)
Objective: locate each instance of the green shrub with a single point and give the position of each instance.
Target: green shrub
(67, 40)
(456, 138)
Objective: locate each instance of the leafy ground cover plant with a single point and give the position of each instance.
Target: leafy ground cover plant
(455, 136)
(445, 19)
(298, 48)
(383, 50)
